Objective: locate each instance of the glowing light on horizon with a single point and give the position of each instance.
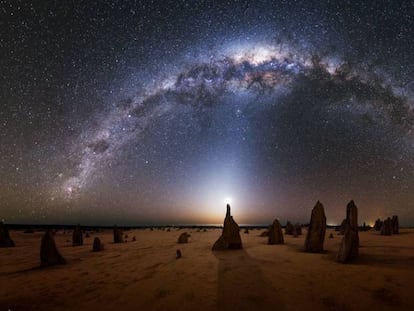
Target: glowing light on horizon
(228, 200)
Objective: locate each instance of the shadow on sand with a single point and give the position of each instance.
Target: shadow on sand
(242, 285)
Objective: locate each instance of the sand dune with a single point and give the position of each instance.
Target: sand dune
(144, 275)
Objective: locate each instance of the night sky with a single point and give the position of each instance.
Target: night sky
(147, 112)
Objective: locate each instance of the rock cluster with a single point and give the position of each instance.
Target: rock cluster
(315, 236)
(49, 254)
(230, 237)
(389, 226)
(275, 233)
(350, 242)
(5, 239)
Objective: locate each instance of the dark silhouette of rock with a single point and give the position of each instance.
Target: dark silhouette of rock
(230, 237)
(275, 233)
(87, 235)
(378, 225)
(298, 229)
(5, 239)
(264, 233)
(342, 227)
(178, 254)
(118, 236)
(395, 225)
(77, 236)
(350, 242)
(352, 214)
(386, 228)
(331, 236)
(97, 245)
(183, 238)
(289, 228)
(49, 254)
(246, 230)
(133, 239)
(316, 230)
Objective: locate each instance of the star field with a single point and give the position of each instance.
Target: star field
(139, 112)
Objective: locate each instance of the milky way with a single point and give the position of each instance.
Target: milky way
(147, 113)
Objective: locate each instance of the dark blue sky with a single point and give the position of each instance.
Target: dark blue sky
(157, 112)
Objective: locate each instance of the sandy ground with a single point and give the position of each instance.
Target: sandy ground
(144, 275)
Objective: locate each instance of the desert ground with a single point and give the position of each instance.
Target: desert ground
(145, 274)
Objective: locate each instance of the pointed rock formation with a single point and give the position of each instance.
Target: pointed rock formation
(316, 231)
(97, 245)
(118, 236)
(5, 239)
(352, 214)
(275, 233)
(350, 242)
(183, 238)
(230, 237)
(386, 228)
(178, 254)
(49, 254)
(378, 225)
(77, 236)
(395, 225)
(298, 229)
(289, 228)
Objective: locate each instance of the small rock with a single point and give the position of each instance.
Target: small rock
(97, 245)
(183, 238)
(118, 236)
